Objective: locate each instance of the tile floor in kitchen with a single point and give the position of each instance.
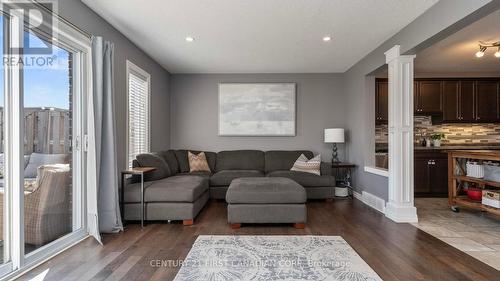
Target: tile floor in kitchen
(473, 232)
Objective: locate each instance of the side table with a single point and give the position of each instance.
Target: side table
(342, 172)
(133, 171)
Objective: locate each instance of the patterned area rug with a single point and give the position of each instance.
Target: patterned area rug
(221, 258)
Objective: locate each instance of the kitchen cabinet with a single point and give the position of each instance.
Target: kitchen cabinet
(439, 175)
(415, 97)
(467, 101)
(430, 173)
(381, 102)
(421, 175)
(448, 100)
(451, 101)
(487, 107)
(458, 101)
(429, 98)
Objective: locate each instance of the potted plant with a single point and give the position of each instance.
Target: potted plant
(436, 139)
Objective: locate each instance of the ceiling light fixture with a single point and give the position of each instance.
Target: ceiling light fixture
(480, 53)
(189, 39)
(327, 38)
(483, 46)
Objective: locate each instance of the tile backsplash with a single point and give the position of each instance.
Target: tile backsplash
(487, 133)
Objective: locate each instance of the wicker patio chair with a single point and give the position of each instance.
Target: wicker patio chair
(48, 209)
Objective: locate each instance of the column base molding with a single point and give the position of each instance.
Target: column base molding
(401, 214)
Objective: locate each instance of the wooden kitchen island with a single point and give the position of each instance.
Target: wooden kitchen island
(457, 178)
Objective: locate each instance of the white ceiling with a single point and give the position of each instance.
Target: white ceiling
(258, 36)
(456, 53)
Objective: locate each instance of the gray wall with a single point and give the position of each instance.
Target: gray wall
(80, 15)
(443, 19)
(324, 100)
(321, 103)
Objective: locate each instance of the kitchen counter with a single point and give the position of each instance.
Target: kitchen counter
(460, 147)
(383, 148)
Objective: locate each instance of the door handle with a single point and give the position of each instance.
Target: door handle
(86, 143)
(77, 143)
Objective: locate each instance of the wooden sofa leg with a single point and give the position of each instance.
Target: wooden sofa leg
(187, 222)
(299, 225)
(235, 225)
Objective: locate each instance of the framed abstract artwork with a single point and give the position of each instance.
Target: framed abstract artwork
(257, 109)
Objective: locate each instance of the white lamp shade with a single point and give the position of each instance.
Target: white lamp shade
(334, 135)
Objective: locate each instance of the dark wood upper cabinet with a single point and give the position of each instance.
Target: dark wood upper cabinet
(415, 97)
(467, 102)
(458, 101)
(451, 104)
(487, 109)
(448, 100)
(429, 97)
(381, 102)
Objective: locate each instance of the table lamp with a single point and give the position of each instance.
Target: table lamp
(334, 136)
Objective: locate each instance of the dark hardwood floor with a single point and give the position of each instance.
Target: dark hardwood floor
(394, 251)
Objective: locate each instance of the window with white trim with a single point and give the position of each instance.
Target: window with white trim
(138, 88)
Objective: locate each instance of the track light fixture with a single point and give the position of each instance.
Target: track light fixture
(480, 53)
(483, 46)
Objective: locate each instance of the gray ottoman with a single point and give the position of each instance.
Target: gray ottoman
(266, 200)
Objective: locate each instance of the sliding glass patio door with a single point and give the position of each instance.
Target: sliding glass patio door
(5, 228)
(42, 128)
(48, 149)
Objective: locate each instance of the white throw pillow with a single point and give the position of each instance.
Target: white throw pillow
(313, 166)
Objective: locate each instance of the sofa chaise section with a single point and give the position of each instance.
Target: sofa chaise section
(166, 196)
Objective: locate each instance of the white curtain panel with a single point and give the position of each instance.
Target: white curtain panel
(104, 211)
(92, 217)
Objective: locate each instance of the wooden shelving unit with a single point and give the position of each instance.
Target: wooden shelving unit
(466, 202)
(454, 198)
(478, 181)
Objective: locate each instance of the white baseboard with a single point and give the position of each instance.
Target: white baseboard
(371, 200)
(357, 195)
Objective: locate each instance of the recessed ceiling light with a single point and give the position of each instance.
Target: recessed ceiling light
(327, 38)
(189, 39)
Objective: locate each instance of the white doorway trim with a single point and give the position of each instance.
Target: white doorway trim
(400, 207)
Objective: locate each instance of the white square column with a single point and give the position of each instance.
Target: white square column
(400, 207)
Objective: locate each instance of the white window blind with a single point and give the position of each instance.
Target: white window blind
(138, 112)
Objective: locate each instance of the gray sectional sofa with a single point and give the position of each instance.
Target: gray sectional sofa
(173, 193)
